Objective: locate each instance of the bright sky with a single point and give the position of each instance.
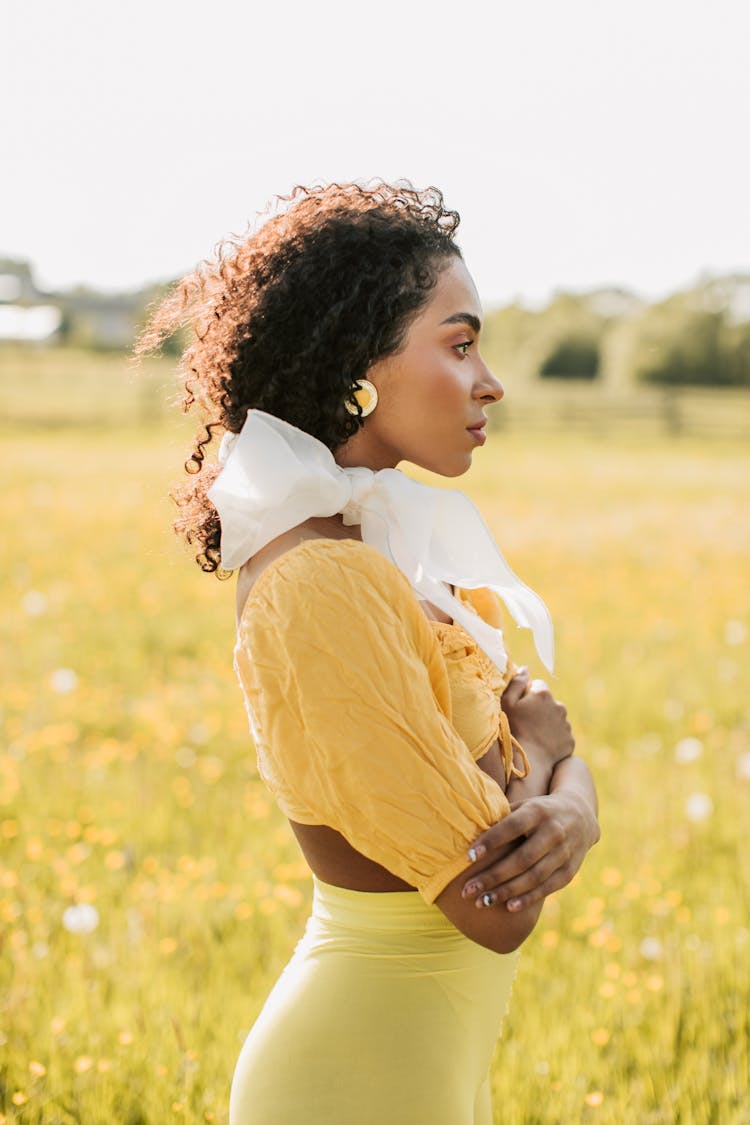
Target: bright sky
(585, 142)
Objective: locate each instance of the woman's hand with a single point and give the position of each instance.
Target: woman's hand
(538, 721)
(555, 830)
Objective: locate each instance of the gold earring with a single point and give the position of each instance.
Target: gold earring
(366, 396)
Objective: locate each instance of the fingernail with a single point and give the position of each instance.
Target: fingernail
(514, 904)
(471, 889)
(487, 899)
(477, 852)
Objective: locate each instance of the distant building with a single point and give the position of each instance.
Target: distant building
(26, 314)
(78, 316)
(97, 320)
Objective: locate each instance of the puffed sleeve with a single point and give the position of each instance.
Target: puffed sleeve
(349, 705)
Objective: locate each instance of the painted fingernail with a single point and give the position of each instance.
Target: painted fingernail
(471, 889)
(514, 904)
(487, 899)
(477, 852)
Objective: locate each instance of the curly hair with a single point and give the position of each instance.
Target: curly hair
(287, 317)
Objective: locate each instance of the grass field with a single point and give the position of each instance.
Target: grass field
(150, 892)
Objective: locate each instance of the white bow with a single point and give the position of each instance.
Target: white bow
(275, 476)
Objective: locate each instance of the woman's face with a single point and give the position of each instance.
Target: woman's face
(433, 391)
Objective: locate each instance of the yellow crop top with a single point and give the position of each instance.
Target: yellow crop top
(367, 716)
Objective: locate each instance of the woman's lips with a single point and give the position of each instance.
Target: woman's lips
(480, 437)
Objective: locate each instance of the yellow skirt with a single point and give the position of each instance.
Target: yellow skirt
(385, 1015)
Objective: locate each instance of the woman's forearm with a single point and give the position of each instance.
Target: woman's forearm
(573, 773)
(538, 782)
(523, 861)
(569, 778)
(572, 778)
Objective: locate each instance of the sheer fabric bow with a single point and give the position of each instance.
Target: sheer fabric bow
(275, 476)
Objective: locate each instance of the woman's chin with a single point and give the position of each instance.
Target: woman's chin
(455, 467)
(459, 465)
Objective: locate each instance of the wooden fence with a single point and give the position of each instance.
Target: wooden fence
(586, 408)
(63, 388)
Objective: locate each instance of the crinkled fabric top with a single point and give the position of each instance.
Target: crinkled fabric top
(366, 716)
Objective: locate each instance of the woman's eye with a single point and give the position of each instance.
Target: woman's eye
(465, 346)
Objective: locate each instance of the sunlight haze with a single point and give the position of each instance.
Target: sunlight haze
(584, 144)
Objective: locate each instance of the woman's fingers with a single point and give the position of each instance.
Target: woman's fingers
(497, 880)
(558, 879)
(556, 841)
(527, 865)
(556, 863)
(545, 848)
(522, 820)
(517, 687)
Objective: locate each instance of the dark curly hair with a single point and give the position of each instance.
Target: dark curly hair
(287, 317)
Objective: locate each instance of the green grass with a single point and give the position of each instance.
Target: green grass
(136, 790)
(52, 388)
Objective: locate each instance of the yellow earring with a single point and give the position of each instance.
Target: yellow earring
(366, 396)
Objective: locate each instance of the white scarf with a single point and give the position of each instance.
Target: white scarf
(275, 476)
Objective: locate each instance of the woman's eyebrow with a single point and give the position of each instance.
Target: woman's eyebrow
(465, 318)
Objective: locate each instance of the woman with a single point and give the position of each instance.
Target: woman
(336, 341)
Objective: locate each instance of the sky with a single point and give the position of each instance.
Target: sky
(585, 143)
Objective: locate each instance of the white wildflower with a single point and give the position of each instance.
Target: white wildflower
(698, 806)
(651, 948)
(63, 680)
(34, 603)
(83, 918)
(735, 632)
(688, 750)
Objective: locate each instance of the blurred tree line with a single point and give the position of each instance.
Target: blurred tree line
(697, 337)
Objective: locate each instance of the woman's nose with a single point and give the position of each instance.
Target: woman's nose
(491, 387)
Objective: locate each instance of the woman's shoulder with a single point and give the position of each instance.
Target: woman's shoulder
(290, 571)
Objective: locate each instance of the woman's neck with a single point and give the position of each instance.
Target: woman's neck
(333, 527)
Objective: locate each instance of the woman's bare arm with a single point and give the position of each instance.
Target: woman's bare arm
(552, 825)
(540, 846)
(544, 726)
